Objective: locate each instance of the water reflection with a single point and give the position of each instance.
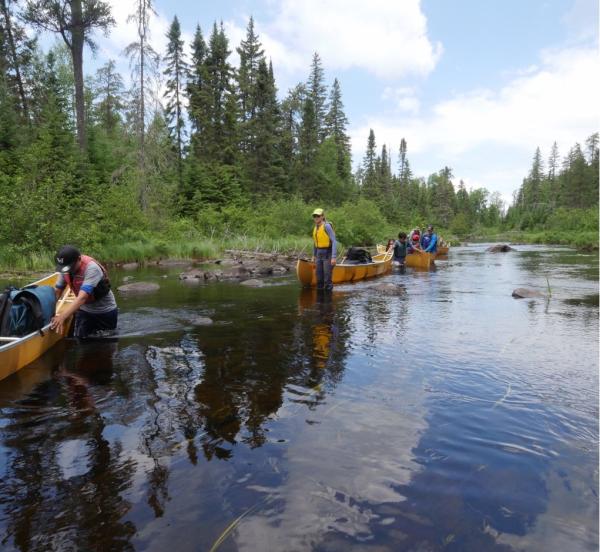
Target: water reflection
(62, 477)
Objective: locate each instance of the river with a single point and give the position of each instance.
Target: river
(447, 417)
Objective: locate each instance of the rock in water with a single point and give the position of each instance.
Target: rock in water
(201, 321)
(526, 293)
(500, 248)
(139, 287)
(253, 283)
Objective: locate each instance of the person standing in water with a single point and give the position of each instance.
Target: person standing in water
(324, 250)
(94, 306)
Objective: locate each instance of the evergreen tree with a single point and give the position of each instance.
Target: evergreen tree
(369, 181)
(251, 54)
(176, 70)
(266, 171)
(109, 93)
(198, 92)
(317, 92)
(336, 124)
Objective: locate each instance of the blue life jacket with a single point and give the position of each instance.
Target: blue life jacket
(425, 241)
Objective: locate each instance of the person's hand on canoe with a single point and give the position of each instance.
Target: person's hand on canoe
(57, 323)
(333, 261)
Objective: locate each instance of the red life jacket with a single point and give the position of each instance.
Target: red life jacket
(75, 281)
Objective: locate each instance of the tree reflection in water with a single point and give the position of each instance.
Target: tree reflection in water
(52, 493)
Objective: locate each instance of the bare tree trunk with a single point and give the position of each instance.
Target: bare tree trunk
(77, 38)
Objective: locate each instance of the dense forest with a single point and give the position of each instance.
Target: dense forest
(196, 154)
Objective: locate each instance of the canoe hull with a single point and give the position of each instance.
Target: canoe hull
(14, 355)
(419, 259)
(344, 273)
(443, 250)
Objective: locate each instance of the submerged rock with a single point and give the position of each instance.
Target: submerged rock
(526, 293)
(253, 282)
(389, 289)
(500, 248)
(139, 287)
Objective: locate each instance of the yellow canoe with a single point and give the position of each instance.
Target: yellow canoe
(343, 273)
(418, 259)
(16, 352)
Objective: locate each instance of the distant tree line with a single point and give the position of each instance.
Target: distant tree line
(85, 158)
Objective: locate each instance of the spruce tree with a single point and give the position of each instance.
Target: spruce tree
(175, 71)
(369, 184)
(251, 53)
(317, 92)
(198, 93)
(336, 124)
(109, 88)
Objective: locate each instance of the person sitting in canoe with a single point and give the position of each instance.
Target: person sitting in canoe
(94, 306)
(401, 248)
(429, 240)
(415, 242)
(414, 232)
(324, 250)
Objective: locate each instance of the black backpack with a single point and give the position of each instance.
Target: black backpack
(357, 255)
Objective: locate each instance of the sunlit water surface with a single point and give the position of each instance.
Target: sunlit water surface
(450, 417)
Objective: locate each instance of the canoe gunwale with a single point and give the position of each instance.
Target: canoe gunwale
(24, 339)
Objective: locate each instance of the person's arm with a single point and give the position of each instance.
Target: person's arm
(60, 286)
(59, 319)
(331, 234)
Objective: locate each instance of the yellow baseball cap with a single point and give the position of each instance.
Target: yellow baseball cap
(318, 212)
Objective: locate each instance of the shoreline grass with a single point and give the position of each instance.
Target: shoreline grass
(152, 249)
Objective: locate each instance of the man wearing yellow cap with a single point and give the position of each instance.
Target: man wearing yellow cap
(324, 250)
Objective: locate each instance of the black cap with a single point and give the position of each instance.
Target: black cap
(66, 257)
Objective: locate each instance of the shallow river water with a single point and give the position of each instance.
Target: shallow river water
(451, 417)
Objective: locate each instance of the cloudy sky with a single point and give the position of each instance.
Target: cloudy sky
(473, 85)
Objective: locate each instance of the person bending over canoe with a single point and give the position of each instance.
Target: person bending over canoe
(429, 240)
(401, 248)
(324, 250)
(94, 307)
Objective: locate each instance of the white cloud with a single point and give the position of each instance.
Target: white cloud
(404, 98)
(386, 39)
(557, 102)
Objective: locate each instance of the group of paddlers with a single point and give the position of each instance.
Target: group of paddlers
(415, 241)
(325, 251)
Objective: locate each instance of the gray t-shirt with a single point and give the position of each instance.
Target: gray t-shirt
(93, 275)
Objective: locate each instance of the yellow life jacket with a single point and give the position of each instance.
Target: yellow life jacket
(320, 237)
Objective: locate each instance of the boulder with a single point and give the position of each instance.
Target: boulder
(253, 282)
(201, 321)
(500, 248)
(526, 293)
(195, 273)
(139, 287)
(130, 266)
(127, 278)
